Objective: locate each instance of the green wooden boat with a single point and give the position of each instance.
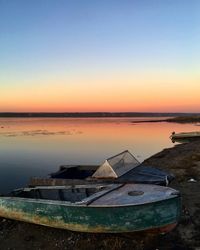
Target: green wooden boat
(112, 208)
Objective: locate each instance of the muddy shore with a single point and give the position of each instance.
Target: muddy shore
(182, 160)
(178, 119)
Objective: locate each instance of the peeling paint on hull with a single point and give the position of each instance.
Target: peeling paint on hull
(162, 215)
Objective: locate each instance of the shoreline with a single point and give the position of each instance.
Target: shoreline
(182, 160)
(178, 119)
(183, 118)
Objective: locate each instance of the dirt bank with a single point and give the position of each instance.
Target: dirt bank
(178, 119)
(182, 160)
(185, 119)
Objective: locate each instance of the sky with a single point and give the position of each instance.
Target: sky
(105, 55)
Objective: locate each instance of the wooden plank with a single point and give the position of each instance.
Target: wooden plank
(36, 181)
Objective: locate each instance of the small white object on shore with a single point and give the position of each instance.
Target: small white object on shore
(192, 180)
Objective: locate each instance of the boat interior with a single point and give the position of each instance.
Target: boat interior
(59, 193)
(74, 172)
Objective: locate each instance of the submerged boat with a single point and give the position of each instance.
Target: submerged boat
(121, 168)
(185, 136)
(112, 208)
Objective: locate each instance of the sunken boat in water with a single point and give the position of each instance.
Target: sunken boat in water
(121, 168)
(108, 208)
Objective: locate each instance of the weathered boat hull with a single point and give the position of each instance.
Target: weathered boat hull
(75, 175)
(185, 137)
(121, 168)
(162, 215)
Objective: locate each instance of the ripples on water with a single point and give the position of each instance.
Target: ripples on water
(37, 146)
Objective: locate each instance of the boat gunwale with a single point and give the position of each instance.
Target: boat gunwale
(84, 203)
(92, 185)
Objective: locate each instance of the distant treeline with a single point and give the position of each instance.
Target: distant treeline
(92, 114)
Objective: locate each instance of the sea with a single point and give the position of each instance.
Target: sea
(38, 146)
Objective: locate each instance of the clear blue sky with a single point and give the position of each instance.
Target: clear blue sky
(62, 39)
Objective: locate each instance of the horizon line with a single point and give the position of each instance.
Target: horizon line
(92, 114)
(83, 112)
(97, 112)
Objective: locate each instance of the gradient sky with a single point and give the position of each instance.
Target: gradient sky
(106, 55)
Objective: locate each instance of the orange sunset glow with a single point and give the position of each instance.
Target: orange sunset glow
(153, 93)
(133, 57)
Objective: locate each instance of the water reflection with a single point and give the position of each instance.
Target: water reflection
(36, 146)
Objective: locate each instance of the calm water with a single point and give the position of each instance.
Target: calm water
(37, 146)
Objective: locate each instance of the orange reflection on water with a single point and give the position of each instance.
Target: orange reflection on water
(36, 147)
(93, 138)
